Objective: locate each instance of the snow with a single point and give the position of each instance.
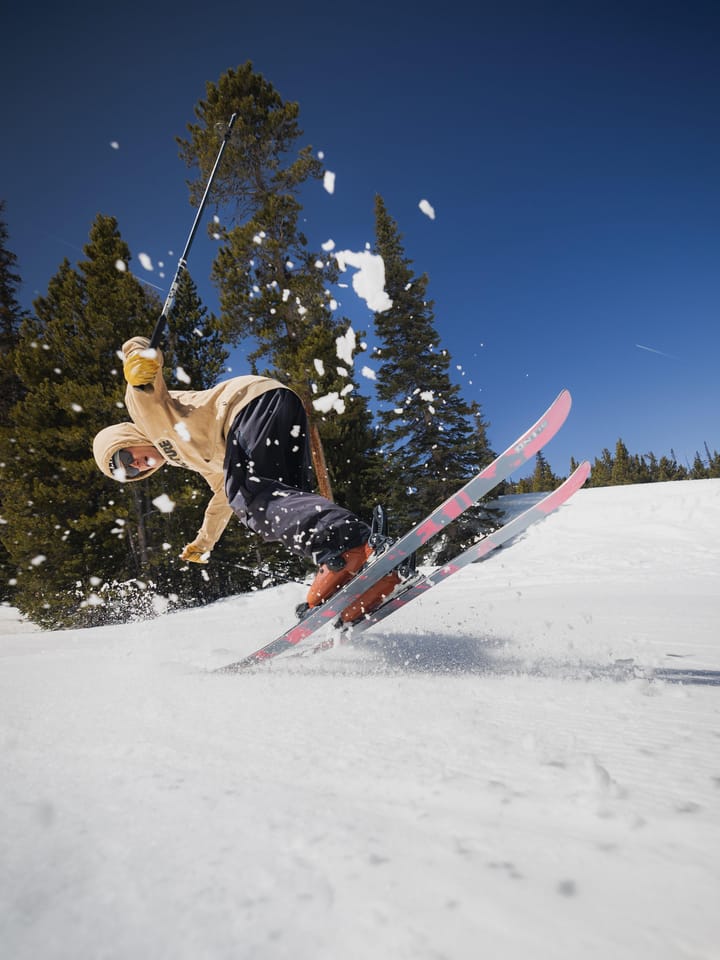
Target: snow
(331, 401)
(369, 280)
(427, 208)
(511, 767)
(164, 503)
(345, 346)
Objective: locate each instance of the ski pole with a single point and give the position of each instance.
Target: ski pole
(182, 262)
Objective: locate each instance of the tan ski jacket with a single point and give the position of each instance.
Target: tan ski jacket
(189, 429)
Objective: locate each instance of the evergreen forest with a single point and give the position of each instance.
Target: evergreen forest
(77, 549)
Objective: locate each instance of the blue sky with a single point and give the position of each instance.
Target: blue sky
(571, 153)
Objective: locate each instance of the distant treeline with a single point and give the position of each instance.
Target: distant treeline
(624, 467)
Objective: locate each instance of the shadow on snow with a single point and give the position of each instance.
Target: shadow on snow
(484, 656)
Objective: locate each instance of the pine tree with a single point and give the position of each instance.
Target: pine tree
(713, 463)
(76, 537)
(670, 469)
(698, 471)
(543, 479)
(11, 316)
(622, 468)
(59, 516)
(194, 354)
(340, 412)
(274, 290)
(601, 471)
(432, 440)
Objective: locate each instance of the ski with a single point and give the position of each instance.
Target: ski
(480, 549)
(418, 586)
(525, 447)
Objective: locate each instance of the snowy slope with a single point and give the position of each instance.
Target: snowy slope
(493, 773)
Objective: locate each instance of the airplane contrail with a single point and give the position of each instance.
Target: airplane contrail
(653, 350)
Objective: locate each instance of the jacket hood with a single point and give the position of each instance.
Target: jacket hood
(114, 438)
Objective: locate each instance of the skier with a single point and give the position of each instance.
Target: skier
(248, 438)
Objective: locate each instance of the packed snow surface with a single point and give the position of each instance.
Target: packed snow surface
(524, 763)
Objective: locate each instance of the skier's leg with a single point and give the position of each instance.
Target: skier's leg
(267, 481)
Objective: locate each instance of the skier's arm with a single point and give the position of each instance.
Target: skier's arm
(217, 515)
(145, 369)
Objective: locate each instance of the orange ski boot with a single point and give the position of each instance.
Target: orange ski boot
(371, 599)
(335, 574)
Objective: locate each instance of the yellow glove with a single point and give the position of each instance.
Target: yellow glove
(139, 369)
(195, 554)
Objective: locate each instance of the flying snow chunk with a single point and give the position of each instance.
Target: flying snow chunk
(331, 401)
(182, 431)
(164, 503)
(114, 144)
(160, 605)
(76, 408)
(427, 209)
(328, 245)
(319, 366)
(120, 266)
(368, 372)
(181, 375)
(39, 560)
(329, 181)
(369, 281)
(145, 262)
(345, 346)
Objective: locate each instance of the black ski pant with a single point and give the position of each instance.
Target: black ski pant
(268, 477)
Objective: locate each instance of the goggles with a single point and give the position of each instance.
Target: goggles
(121, 461)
